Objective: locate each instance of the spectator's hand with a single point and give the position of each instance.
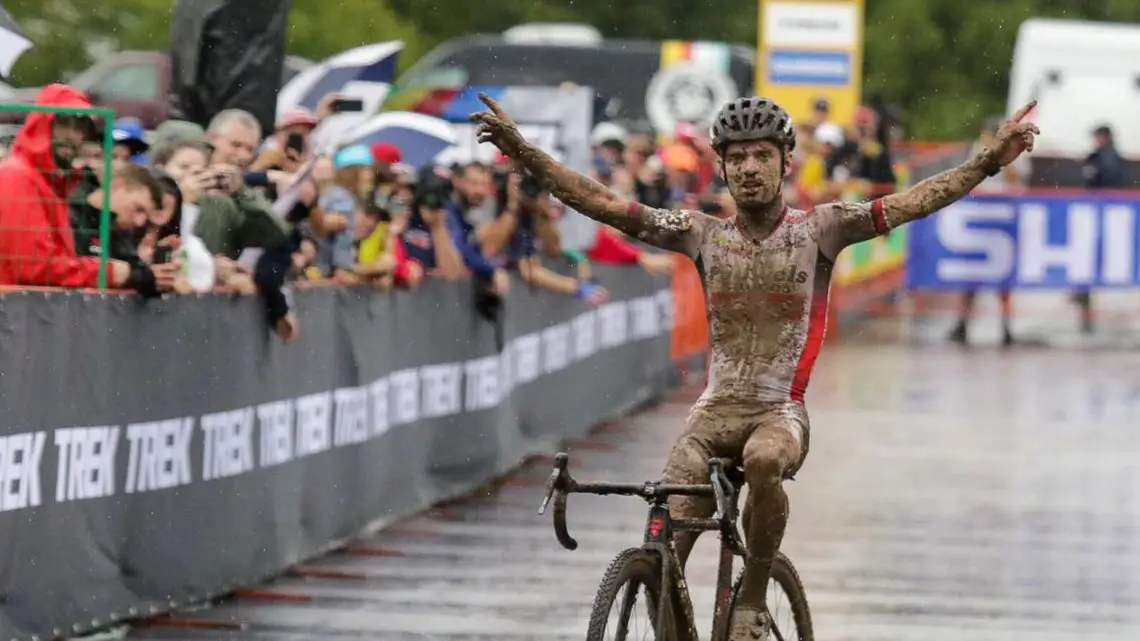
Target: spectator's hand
(194, 186)
(166, 274)
(224, 268)
(500, 282)
(415, 273)
(592, 293)
(324, 107)
(323, 171)
(235, 178)
(656, 263)
(434, 218)
(514, 193)
(308, 193)
(287, 328)
(241, 283)
(623, 181)
(182, 286)
(118, 273)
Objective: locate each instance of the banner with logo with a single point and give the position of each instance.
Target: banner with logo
(811, 49)
(1037, 241)
(154, 456)
(692, 84)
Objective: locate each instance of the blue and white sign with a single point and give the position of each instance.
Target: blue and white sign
(1038, 242)
(790, 67)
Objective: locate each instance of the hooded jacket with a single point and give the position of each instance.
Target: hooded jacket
(37, 244)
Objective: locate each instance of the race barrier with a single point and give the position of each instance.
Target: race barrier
(1033, 240)
(161, 453)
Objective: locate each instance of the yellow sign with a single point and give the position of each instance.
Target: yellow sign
(811, 49)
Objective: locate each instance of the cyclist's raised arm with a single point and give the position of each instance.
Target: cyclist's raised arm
(675, 230)
(845, 224)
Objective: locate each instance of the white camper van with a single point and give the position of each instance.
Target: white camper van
(1083, 74)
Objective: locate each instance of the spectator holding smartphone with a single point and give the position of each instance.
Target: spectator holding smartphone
(136, 198)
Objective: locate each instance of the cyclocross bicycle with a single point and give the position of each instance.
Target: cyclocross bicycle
(653, 568)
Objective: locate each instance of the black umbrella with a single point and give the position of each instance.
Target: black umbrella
(13, 42)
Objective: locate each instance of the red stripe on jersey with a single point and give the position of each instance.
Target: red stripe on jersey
(880, 219)
(817, 328)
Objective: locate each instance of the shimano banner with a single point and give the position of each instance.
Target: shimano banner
(1027, 241)
(157, 454)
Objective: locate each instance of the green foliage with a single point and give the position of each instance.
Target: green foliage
(944, 62)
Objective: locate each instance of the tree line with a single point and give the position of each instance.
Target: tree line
(944, 63)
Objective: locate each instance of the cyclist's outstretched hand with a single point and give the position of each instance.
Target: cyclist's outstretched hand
(1015, 136)
(497, 128)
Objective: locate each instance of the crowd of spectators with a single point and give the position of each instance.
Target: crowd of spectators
(229, 208)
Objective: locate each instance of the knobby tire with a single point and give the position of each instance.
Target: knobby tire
(633, 566)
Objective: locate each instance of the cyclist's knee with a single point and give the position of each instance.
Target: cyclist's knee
(768, 457)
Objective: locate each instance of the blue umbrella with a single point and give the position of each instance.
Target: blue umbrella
(420, 137)
(365, 72)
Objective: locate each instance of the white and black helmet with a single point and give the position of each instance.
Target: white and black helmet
(755, 118)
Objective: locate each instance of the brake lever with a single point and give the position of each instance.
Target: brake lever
(556, 480)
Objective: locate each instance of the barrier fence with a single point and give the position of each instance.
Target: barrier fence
(161, 453)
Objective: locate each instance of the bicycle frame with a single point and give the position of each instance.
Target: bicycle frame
(725, 485)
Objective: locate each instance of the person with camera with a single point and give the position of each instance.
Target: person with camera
(524, 220)
(232, 217)
(427, 237)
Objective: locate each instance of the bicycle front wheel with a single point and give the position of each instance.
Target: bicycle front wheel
(787, 602)
(625, 608)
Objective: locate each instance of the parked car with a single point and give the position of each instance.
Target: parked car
(133, 83)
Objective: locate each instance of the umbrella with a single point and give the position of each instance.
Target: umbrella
(13, 42)
(363, 72)
(420, 137)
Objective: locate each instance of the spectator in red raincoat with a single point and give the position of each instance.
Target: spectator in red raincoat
(37, 244)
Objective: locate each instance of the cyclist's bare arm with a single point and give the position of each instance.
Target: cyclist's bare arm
(666, 229)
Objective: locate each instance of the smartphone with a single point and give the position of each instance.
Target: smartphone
(163, 254)
(295, 142)
(343, 105)
(221, 182)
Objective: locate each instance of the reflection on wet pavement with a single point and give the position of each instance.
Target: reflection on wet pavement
(949, 494)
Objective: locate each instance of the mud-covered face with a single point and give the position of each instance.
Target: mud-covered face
(754, 171)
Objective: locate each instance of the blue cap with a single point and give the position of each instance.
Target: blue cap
(130, 131)
(353, 156)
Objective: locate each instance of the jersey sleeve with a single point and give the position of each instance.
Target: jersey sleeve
(678, 230)
(841, 224)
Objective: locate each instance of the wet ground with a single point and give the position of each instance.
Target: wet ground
(949, 494)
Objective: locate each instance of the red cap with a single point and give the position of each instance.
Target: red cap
(297, 118)
(386, 152)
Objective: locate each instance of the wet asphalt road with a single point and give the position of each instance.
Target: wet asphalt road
(972, 495)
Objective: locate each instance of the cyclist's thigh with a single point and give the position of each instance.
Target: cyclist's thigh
(778, 444)
(709, 433)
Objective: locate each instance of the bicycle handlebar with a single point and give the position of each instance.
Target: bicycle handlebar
(561, 485)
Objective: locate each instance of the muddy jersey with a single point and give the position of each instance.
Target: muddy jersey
(767, 300)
